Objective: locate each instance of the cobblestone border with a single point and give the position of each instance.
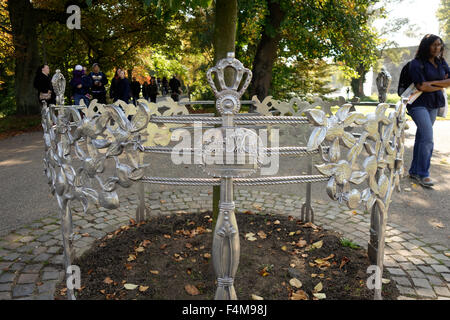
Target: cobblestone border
(31, 257)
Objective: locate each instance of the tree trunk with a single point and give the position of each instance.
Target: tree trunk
(24, 25)
(225, 25)
(357, 84)
(224, 28)
(266, 52)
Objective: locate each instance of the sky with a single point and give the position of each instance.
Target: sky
(420, 12)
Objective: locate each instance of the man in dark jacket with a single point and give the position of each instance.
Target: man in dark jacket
(99, 81)
(175, 85)
(135, 90)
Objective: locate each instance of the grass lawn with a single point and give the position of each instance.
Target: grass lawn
(13, 125)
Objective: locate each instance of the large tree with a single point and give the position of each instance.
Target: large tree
(303, 30)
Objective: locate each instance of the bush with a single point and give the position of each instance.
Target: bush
(7, 101)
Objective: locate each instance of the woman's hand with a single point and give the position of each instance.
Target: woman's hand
(440, 83)
(428, 87)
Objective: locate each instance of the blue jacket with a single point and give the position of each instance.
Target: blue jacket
(123, 90)
(80, 78)
(423, 71)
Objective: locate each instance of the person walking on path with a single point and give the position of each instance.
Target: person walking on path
(98, 80)
(145, 90)
(80, 85)
(429, 73)
(113, 93)
(123, 88)
(43, 84)
(135, 90)
(175, 85)
(164, 86)
(153, 90)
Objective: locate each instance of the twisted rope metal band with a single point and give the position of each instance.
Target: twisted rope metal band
(280, 180)
(225, 282)
(237, 120)
(278, 150)
(182, 181)
(237, 181)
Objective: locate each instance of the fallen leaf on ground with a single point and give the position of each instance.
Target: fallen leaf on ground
(344, 261)
(139, 249)
(310, 225)
(130, 286)
(318, 287)
(437, 224)
(255, 297)
(85, 234)
(262, 234)
(250, 236)
(191, 290)
(407, 189)
(143, 288)
(385, 281)
(154, 271)
(207, 255)
(108, 280)
(132, 221)
(447, 254)
(322, 263)
(301, 243)
(188, 245)
(128, 266)
(319, 296)
(167, 236)
(284, 248)
(163, 246)
(294, 282)
(146, 243)
(331, 256)
(276, 222)
(264, 272)
(317, 245)
(257, 207)
(299, 295)
(131, 257)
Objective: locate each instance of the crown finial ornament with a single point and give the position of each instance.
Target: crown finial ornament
(228, 96)
(59, 86)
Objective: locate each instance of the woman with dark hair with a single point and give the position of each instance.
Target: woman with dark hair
(123, 88)
(429, 73)
(43, 85)
(113, 93)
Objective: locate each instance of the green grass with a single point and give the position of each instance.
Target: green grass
(348, 243)
(12, 124)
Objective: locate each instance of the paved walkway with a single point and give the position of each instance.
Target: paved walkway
(31, 256)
